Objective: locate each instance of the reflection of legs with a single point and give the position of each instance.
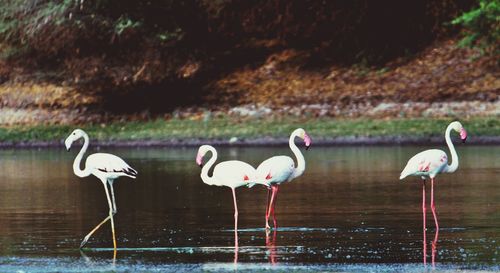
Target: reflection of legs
(434, 248)
(423, 212)
(271, 246)
(267, 208)
(87, 237)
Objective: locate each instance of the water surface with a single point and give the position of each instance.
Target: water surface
(348, 212)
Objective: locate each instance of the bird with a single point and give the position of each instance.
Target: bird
(279, 169)
(430, 163)
(232, 174)
(107, 168)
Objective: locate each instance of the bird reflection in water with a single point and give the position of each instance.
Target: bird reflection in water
(271, 245)
(433, 249)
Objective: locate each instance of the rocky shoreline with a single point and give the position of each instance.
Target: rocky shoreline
(267, 141)
(455, 109)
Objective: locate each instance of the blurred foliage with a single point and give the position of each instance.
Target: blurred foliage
(55, 27)
(352, 29)
(132, 49)
(482, 27)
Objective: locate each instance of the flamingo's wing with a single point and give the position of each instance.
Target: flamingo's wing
(426, 163)
(234, 173)
(111, 164)
(276, 169)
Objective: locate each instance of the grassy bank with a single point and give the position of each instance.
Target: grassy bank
(225, 128)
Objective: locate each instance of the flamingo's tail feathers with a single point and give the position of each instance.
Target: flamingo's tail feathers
(130, 171)
(406, 172)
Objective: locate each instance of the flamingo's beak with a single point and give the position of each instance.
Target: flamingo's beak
(307, 141)
(199, 160)
(463, 135)
(68, 143)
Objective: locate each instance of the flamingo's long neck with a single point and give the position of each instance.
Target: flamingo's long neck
(76, 164)
(454, 157)
(204, 171)
(301, 163)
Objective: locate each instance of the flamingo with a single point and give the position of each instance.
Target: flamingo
(430, 163)
(278, 169)
(232, 174)
(107, 168)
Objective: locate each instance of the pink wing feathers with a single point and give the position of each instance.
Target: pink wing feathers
(426, 163)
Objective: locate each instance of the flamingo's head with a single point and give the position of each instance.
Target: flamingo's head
(75, 135)
(201, 153)
(302, 134)
(457, 126)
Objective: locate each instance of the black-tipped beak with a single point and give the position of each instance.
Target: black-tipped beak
(463, 140)
(67, 149)
(307, 147)
(201, 165)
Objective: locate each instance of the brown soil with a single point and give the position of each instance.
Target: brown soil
(442, 72)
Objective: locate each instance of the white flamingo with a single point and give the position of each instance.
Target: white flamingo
(107, 168)
(232, 174)
(278, 169)
(431, 162)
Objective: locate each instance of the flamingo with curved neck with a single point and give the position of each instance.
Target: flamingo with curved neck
(430, 163)
(279, 169)
(107, 168)
(232, 174)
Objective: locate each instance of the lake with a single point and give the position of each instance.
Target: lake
(348, 212)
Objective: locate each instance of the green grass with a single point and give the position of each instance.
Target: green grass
(225, 127)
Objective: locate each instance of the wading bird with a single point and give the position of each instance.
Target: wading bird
(106, 167)
(278, 169)
(232, 174)
(429, 163)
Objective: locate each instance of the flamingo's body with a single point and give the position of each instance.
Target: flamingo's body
(232, 174)
(430, 163)
(279, 169)
(107, 168)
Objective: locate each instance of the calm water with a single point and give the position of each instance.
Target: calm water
(348, 212)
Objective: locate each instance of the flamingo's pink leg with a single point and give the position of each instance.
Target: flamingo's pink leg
(267, 208)
(274, 206)
(433, 206)
(424, 227)
(236, 248)
(235, 214)
(273, 196)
